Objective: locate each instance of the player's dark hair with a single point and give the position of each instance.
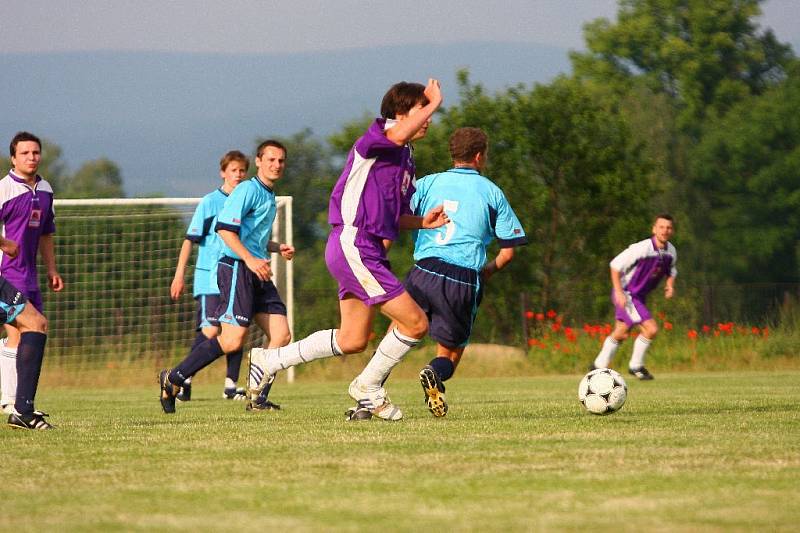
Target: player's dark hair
(401, 97)
(269, 142)
(233, 155)
(22, 136)
(665, 216)
(466, 143)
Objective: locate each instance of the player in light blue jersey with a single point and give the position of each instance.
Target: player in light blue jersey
(232, 170)
(451, 268)
(246, 292)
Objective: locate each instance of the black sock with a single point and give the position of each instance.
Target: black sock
(200, 357)
(443, 366)
(30, 354)
(234, 364)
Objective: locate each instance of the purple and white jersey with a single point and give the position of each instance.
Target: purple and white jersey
(642, 266)
(25, 214)
(376, 185)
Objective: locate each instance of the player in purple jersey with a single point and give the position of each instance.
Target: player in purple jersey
(26, 213)
(27, 217)
(369, 204)
(232, 169)
(634, 274)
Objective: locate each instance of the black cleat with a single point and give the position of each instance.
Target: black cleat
(642, 373)
(434, 391)
(185, 394)
(35, 420)
(168, 392)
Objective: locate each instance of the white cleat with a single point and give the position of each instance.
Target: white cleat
(376, 401)
(259, 378)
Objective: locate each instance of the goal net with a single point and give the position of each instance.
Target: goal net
(117, 258)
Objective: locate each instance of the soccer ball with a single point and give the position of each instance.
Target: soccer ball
(602, 391)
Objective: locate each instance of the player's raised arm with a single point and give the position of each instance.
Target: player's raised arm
(418, 118)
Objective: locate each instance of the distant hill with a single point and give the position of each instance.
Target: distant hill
(166, 118)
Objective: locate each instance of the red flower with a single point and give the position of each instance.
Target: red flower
(692, 334)
(667, 325)
(539, 316)
(528, 314)
(755, 330)
(555, 326)
(551, 313)
(706, 329)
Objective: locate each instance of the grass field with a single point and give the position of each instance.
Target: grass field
(711, 452)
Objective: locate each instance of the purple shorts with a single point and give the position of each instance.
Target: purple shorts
(635, 311)
(357, 260)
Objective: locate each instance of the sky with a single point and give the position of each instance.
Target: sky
(183, 80)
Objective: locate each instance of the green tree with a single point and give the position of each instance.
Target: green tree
(705, 55)
(748, 165)
(100, 178)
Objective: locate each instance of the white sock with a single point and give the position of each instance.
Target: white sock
(318, 345)
(8, 375)
(603, 359)
(187, 381)
(640, 346)
(229, 383)
(391, 351)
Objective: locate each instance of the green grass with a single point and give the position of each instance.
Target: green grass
(714, 452)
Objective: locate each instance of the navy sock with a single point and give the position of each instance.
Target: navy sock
(234, 364)
(443, 366)
(200, 357)
(30, 354)
(197, 340)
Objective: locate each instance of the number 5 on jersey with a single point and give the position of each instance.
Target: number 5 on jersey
(450, 206)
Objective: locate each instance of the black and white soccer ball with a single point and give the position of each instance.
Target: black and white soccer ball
(602, 391)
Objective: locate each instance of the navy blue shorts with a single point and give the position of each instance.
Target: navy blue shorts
(12, 302)
(449, 295)
(242, 295)
(207, 306)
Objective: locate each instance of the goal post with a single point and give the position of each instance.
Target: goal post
(117, 258)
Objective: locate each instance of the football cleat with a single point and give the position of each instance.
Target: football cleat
(168, 392)
(185, 393)
(35, 420)
(357, 413)
(265, 405)
(375, 401)
(258, 401)
(642, 373)
(233, 393)
(434, 391)
(259, 380)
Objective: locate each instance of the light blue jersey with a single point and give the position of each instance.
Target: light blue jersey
(478, 212)
(249, 211)
(201, 232)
